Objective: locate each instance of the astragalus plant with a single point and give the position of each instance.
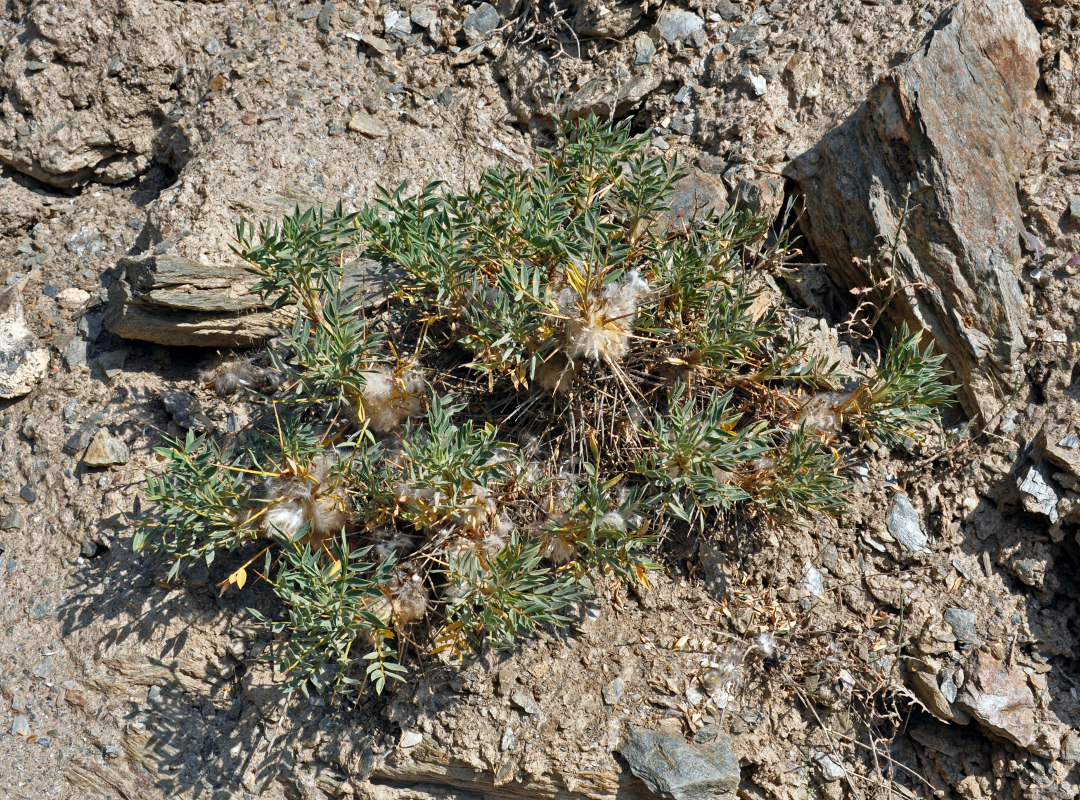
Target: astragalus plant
(558, 377)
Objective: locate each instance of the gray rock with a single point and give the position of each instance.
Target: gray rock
(481, 23)
(728, 10)
(672, 767)
(27, 494)
(20, 726)
(1074, 209)
(525, 701)
(1038, 494)
(74, 353)
(80, 440)
(106, 450)
(904, 525)
(960, 245)
(44, 668)
(423, 15)
(186, 411)
(322, 22)
(23, 358)
(675, 24)
(830, 770)
(644, 50)
(613, 691)
(962, 623)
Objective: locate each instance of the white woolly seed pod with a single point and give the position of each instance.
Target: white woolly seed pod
(389, 400)
(410, 601)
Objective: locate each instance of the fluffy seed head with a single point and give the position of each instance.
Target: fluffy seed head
(388, 399)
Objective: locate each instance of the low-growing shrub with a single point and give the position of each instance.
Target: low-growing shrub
(557, 378)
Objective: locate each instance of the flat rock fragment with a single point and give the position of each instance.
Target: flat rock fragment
(23, 358)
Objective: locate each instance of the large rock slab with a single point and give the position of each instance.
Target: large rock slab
(672, 767)
(953, 126)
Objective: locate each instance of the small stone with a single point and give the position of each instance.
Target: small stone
(814, 581)
(323, 20)
(525, 701)
(28, 494)
(1070, 442)
(72, 298)
(379, 45)
(904, 525)
(20, 726)
(88, 548)
(644, 50)
(74, 353)
(74, 698)
(410, 739)
(758, 85)
(676, 24)
(423, 15)
(962, 623)
(1038, 494)
(481, 23)
(211, 47)
(507, 742)
(106, 450)
(39, 610)
(186, 411)
(44, 668)
(830, 770)
(365, 123)
(113, 750)
(1074, 209)
(613, 691)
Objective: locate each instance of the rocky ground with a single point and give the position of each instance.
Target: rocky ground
(922, 645)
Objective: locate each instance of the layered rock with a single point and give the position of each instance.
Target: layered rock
(946, 133)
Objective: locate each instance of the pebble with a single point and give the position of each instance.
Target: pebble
(525, 701)
(20, 726)
(672, 767)
(72, 297)
(365, 123)
(1038, 494)
(44, 668)
(759, 85)
(676, 24)
(323, 20)
(830, 770)
(422, 15)
(962, 623)
(1074, 208)
(644, 49)
(813, 580)
(904, 524)
(613, 691)
(39, 610)
(27, 494)
(507, 739)
(106, 450)
(74, 353)
(481, 23)
(113, 750)
(410, 739)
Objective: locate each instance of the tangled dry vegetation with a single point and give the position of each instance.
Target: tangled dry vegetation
(559, 379)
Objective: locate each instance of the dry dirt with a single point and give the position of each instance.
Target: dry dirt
(131, 688)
